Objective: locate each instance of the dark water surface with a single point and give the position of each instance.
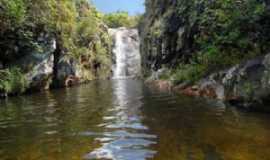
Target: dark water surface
(123, 120)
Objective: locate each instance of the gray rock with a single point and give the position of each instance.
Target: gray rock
(246, 85)
(39, 64)
(40, 76)
(166, 33)
(69, 72)
(66, 68)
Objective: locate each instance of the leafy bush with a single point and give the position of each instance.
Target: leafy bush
(230, 32)
(121, 19)
(75, 24)
(188, 73)
(165, 75)
(12, 81)
(12, 13)
(203, 36)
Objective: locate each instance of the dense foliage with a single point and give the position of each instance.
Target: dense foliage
(76, 26)
(12, 81)
(204, 36)
(121, 19)
(230, 31)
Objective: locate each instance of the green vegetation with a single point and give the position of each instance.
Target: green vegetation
(189, 73)
(204, 36)
(230, 32)
(121, 19)
(12, 81)
(76, 26)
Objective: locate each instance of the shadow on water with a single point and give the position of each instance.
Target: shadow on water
(124, 120)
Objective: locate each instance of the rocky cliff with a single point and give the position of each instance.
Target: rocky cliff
(165, 34)
(173, 31)
(44, 45)
(215, 49)
(245, 85)
(44, 68)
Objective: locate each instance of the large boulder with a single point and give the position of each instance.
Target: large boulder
(246, 85)
(71, 72)
(38, 64)
(40, 77)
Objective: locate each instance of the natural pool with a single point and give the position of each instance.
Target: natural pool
(125, 120)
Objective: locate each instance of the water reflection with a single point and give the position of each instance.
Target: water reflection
(125, 136)
(205, 130)
(124, 120)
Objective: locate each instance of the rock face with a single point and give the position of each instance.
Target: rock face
(40, 77)
(38, 65)
(246, 85)
(166, 34)
(173, 32)
(44, 69)
(69, 71)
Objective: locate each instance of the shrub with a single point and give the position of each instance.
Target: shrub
(76, 26)
(214, 34)
(230, 32)
(12, 13)
(12, 81)
(189, 73)
(121, 19)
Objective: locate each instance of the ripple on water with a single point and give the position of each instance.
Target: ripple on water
(122, 120)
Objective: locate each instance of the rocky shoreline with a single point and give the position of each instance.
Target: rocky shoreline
(246, 85)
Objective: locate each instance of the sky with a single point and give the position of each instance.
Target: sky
(132, 6)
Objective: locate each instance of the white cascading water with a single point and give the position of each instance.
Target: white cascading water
(126, 53)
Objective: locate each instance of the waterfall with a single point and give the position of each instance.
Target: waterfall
(126, 53)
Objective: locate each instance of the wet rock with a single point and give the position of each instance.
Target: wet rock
(246, 85)
(190, 91)
(160, 85)
(181, 87)
(71, 81)
(70, 73)
(65, 69)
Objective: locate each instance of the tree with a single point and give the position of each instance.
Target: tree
(121, 19)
